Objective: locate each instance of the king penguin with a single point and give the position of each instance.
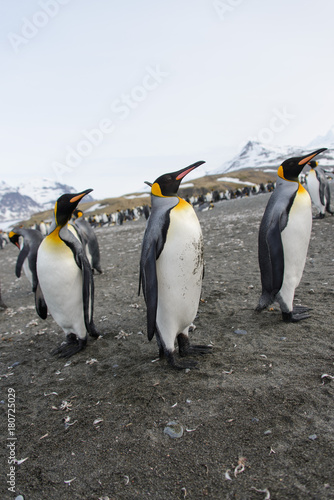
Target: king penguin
(65, 279)
(284, 237)
(318, 187)
(171, 268)
(27, 241)
(89, 240)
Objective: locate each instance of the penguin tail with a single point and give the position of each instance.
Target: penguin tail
(93, 332)
(328, 208)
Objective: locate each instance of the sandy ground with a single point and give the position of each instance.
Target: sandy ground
(257, 414)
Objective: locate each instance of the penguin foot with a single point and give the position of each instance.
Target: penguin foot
(185, 348)
(2, 305)
(299, 313)
(72, 346)
(265, 300)
(97, 269)
(301, 309)
(181, 366)
(195, 350)
(319, 216)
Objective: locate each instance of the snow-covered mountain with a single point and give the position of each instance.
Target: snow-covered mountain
(37, 195)
(45, 192)
(14, 205)
(257, 155)
(323, 141)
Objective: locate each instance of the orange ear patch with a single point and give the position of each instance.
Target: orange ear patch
(76, 198)
(280, 172)
(156, 190)
(307, 159)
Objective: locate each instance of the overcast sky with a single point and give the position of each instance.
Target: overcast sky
(108, 94)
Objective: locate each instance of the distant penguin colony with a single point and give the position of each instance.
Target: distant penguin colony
(284, 237)
(65, 279)
(60, 265)
(171, 268)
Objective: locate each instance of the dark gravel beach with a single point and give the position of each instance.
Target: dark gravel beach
(257, 414)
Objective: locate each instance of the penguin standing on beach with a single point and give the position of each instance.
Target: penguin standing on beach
(284, 237)
(318, 187)
(65, 278)
(171, 268)
(27, 241)
(89, 240)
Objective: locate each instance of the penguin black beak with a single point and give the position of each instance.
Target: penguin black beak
(184, 171)
(305, 159)
(79, 196)
(148, 183)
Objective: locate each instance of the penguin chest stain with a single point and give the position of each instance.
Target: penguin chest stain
(184, 243)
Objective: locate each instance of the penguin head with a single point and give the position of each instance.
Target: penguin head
(65, 205)
(291, 168)
(14, 238)
(313, 163)
(77, 213)
(168, 184)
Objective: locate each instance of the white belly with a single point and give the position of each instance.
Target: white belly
(295, 240)
(179, 274)
(61, 283)
(27, 270)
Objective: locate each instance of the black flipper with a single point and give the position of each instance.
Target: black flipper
(271, 260)
(153, 243)
(40, 304)
(150, 289)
